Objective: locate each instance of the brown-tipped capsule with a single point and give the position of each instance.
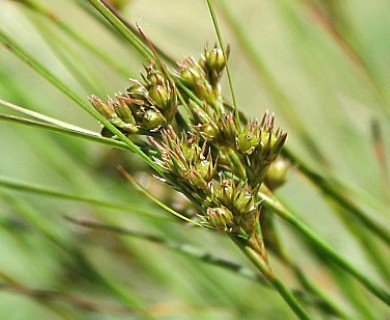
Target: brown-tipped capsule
(123, 111)
(268, 140)
(191, 148)
(190, 76)
(224, 192)
(104, 108)
(206, 169)
(154, 77)
(243, 201)
(191, 73)
(220, 218)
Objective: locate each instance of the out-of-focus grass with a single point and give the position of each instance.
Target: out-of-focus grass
(334, 98)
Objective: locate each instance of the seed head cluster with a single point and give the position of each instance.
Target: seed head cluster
(203, 150)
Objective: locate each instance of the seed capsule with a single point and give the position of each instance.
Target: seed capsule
(191, 76)
(220, 218)
(160, 96)
(247, 142)
(138, 91)
(206, 169)
(277, 173)
(153, 120)
(268, 140)
(215, 60)
(123, 111)
(105, 109)
(244, 202)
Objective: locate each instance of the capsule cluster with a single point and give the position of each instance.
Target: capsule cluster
(203, 150)
(145, 108)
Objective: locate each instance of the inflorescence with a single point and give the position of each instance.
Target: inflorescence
(182, 121)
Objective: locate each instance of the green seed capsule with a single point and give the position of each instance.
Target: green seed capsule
(247, 142)
(268, 140)
(138, 91)
(215, 60)
(224, 192)
(205, 169)
(123, 111)
(191, 76)
(104, 108)
(220, 218)
(209, 131)
(155, 78)
(244, 202)
(160, 96)
(153, 120)
(277, 173)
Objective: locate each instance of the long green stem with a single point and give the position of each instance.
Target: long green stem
(128, 34)
(289, 217)
(322, 184)
(329, 304)
(58, 126)
(75, 35)
(184, 248)
(284, 292)
(26, 187)
(222, 45)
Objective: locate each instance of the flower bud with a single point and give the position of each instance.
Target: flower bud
(191, 148)
(224, 192)
(195, 179)
(268, 140)
(207, 127)
(155, 78)
(208, 131)
(220, 218)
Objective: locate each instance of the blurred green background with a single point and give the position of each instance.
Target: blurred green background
(321, 66)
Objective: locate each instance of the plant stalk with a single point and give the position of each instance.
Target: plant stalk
(289, 217)
(264, 268)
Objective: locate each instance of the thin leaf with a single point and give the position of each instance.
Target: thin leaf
(184, 248)
(126, 32)
(330, 190)
(278, 208)
(222, 45)
(72, 132)
(40, 69)
(75, 35)
(36, 189)
(153, 198)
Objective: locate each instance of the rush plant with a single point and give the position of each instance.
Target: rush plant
(191, 151)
